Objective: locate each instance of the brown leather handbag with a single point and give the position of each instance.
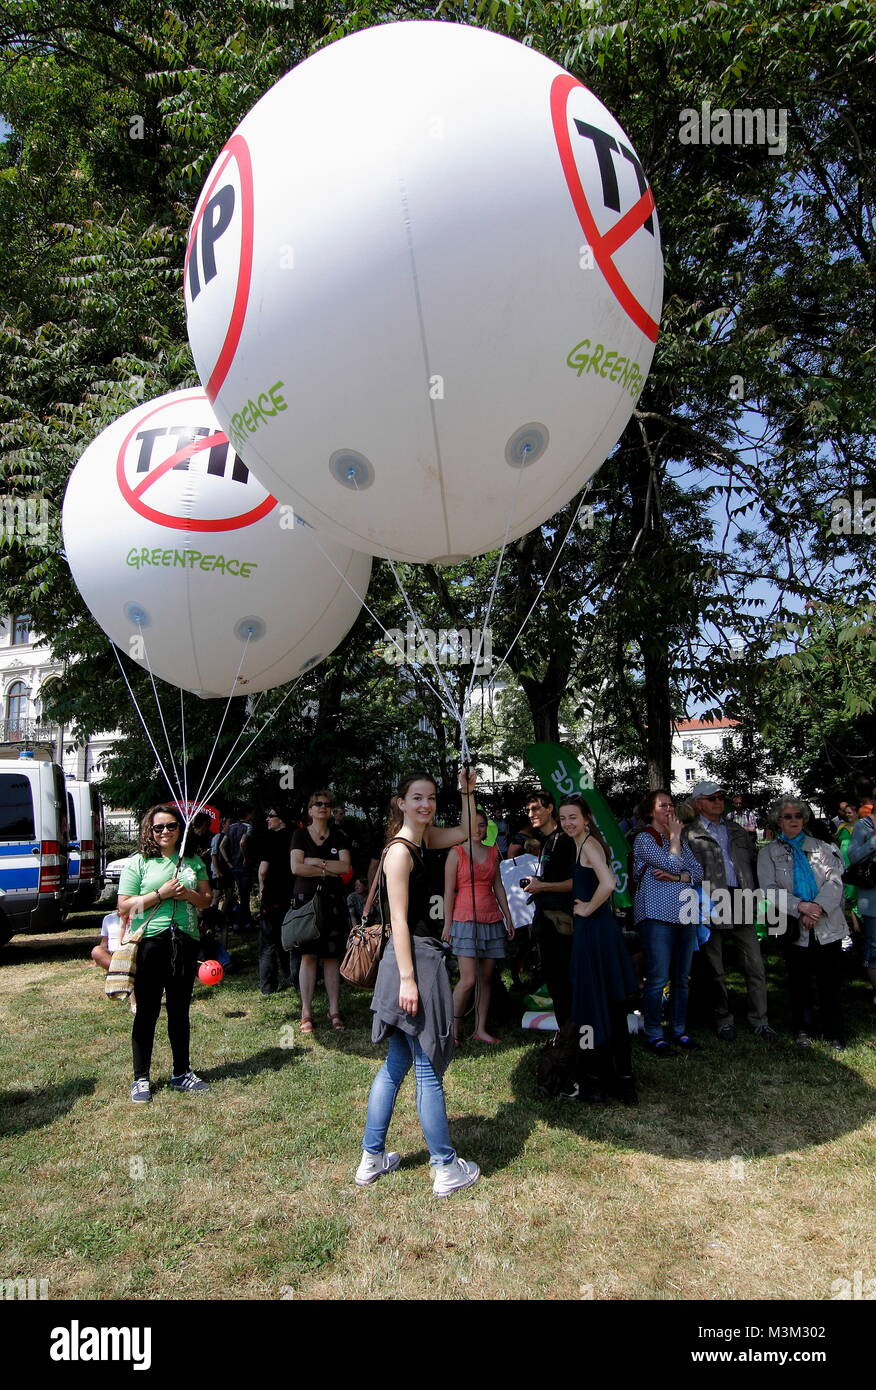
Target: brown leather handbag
(366, 944)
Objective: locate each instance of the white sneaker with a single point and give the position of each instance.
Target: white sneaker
(450, 1176)
(373, 1166)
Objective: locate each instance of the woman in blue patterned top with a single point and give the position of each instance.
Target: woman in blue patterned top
(662, 870)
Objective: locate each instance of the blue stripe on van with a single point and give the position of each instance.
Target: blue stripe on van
(27, 876)
(18, 847)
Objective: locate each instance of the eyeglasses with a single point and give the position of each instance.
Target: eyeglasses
(272, 815)
(326, 805)
(165, 827)
(537, 807)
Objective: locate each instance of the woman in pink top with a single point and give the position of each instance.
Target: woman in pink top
(478, 932)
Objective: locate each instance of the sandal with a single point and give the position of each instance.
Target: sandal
(306, 1025)
(337, 1023)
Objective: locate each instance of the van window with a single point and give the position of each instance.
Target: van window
(71, 814)
(16, 807)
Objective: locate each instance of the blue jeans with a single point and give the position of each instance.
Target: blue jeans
(669, 949)
(431, 1109)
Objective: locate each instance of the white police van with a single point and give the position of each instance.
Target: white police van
(33, 841)
(87, 844)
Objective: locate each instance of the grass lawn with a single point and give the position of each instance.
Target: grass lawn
(745, 1172)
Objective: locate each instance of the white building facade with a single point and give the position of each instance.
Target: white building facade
(25, 666)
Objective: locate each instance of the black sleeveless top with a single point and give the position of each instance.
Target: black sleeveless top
(420, 922)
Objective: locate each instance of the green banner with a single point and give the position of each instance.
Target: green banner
(562, 773)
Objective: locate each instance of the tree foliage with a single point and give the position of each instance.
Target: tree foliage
(712, 518)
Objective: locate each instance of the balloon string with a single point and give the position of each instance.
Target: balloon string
(222, 721)
(541, 587)
(449, 701)
(370, 611)
(219, 774)
(257, 735)
(136, 705)
(160, 713)
(485, 624)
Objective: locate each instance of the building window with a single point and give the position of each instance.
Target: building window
(727, 741)
(687, 747)
(20, 630)
(16, 708)
(690, 774)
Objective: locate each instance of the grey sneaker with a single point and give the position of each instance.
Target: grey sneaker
(803, 1039)
(190, 1081)
(450, 1176)
(373, 1166)
(765, 1033)
(141, 1090)
(726, 1032)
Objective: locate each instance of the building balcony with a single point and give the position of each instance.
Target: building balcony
(26, 730)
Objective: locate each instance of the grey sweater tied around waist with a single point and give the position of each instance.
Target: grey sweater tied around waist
(432, 1024)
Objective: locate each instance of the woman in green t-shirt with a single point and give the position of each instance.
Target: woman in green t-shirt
(162, 892)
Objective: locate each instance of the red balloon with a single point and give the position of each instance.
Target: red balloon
(210, 972)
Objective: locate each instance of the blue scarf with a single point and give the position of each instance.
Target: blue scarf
(804, 884)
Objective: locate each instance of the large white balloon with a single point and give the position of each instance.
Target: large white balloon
(427, 259)
(189, 565)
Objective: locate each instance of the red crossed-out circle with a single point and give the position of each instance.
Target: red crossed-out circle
(238, 150)
(604, 245)
(134, 495)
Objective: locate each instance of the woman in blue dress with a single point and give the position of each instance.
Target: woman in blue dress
(602, 975)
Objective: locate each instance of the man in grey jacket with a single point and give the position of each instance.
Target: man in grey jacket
(727, 855)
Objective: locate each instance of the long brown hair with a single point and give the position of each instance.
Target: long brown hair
(577, 800)
(149, 847)
(396, 819)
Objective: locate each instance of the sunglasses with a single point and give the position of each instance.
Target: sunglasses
(165, 827)
(326, 805)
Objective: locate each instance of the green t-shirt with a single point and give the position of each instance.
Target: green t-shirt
(143, 876)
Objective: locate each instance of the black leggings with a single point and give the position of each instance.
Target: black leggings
(166, 964)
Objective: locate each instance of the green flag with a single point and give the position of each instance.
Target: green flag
(562, 773)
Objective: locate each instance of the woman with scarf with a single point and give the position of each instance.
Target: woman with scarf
(802, 876)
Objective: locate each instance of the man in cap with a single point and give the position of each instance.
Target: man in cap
(727, 855)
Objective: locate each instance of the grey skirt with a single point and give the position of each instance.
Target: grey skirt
(483, 940)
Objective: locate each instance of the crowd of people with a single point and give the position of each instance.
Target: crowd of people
(443, 892)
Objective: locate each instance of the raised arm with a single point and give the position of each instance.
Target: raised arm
(455, 835)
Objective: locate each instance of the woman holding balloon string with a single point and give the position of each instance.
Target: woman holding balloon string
(413, 1004)
(162, 891)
